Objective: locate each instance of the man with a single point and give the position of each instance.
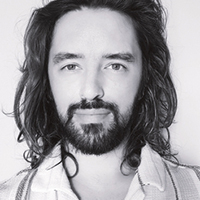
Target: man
(93, 103)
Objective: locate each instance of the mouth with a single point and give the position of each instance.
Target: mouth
(99, 111)
(86, 116)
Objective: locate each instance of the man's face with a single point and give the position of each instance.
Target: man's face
(95, 67)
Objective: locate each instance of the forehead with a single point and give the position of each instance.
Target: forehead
(94, 28)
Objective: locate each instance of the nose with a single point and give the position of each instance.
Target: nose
(92, 87)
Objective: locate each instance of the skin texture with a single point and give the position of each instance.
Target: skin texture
(91, 58)
(93, 74)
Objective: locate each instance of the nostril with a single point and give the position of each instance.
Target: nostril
(91, 90)
(92, 97)
(95, 103)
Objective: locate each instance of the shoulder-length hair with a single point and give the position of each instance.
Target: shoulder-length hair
(156, 102)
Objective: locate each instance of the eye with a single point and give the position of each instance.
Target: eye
(70, 67)
(117, 67)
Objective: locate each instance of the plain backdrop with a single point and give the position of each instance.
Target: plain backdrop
(183, 31)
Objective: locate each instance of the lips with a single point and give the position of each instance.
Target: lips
(86, 116)
(100, 111)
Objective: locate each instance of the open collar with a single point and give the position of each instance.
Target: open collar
(152, 169)
(51, 176)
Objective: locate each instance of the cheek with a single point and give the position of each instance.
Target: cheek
(64, 94)
(125, 94)
(126, 98)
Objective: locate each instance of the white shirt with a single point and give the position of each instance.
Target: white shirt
(156, 179)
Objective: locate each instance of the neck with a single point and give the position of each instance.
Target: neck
(108, 163)
(99, 173)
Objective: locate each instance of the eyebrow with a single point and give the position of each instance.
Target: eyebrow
(128, 57)
(63, 56)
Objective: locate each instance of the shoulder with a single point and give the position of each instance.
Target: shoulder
(15, 186)
(185, 178)
(183, 170)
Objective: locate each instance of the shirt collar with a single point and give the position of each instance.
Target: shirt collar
(51, 176)
(152, 170)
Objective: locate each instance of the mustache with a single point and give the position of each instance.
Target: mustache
(95, 104)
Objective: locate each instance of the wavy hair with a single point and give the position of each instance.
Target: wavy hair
(155, 105)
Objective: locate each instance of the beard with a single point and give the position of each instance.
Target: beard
(95, 138)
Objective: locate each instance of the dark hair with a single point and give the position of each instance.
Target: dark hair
(155, 105)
